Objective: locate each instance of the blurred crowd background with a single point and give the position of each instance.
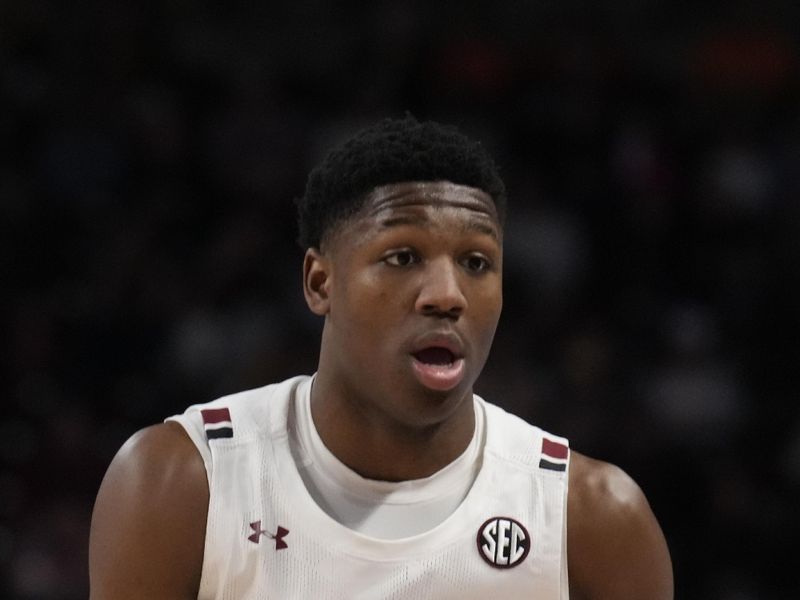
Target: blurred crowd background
(150, 153)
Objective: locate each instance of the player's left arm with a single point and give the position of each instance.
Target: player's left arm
(616, 549)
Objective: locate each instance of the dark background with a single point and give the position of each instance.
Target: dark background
(150, 154)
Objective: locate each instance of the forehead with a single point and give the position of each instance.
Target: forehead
(422, 204)
(433, 194)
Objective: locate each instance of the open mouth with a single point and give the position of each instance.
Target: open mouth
(438, 368)
(435, 356)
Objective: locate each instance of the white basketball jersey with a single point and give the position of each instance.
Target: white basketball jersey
(267, 538)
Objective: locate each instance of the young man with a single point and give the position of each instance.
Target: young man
(383, 475)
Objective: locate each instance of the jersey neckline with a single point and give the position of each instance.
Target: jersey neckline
(466, 516)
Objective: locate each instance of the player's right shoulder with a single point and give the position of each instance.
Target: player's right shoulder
(148, 525)
(159, 451)
(158, 466)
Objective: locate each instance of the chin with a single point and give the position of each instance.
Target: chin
(431, 407)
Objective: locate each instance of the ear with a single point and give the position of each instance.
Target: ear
(317, 281)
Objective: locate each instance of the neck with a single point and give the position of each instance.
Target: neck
(377, 447)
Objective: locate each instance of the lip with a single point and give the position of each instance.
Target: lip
(439, 339)
(439, 377)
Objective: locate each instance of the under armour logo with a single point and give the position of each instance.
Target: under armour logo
(278, 536)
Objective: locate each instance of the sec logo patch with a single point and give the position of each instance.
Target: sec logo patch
(503, 542)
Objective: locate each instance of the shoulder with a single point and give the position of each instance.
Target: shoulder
(511, 436)
(164, 443)
(616, 548)
(148, 525)
(598, 485)
(252, 412)
(159, 459)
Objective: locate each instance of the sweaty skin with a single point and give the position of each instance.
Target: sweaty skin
(420, 266)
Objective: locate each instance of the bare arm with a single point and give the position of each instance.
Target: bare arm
(149, 520)
(616, 548)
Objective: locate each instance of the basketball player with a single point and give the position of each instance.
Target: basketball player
(382, 475)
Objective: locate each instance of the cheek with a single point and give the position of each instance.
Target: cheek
(373, 284)
(363, 300)
(486, 308)
(488, 300)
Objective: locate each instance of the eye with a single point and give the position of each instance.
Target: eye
(476, 263)
(401, 258)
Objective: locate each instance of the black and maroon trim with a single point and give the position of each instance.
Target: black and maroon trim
(217, 423)
(554, 455)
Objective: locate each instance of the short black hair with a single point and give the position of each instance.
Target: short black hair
(391, 151)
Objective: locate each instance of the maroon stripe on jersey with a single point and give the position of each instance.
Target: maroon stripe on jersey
(554, 449)
(215, 415)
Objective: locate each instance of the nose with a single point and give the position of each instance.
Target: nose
(441, 293)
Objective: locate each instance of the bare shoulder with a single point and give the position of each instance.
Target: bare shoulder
(596, 485)
(616, 548)
(148, 524)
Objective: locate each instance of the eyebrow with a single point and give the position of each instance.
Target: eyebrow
(419, 221)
